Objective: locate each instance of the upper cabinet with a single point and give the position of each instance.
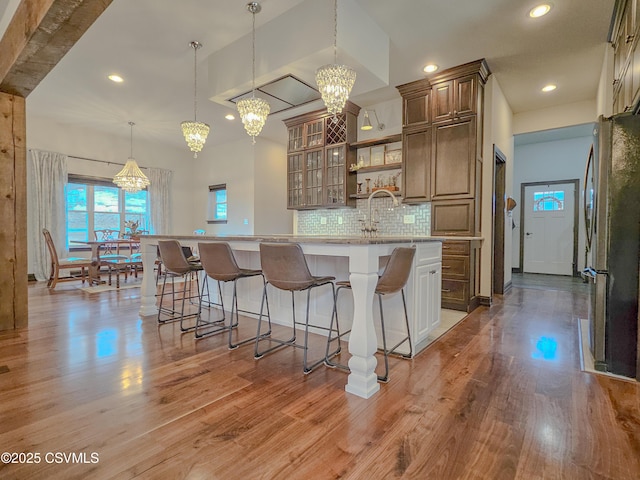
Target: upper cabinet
(454, 98)
(625, 37)
(318, 158)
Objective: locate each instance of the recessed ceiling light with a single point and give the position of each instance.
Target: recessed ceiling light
(432, 67)
(540, 10)
(115, 78)
(549, 88)
(229, 116)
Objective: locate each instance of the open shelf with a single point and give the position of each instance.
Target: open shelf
(378, 168)
(397, 193)
(376, 141)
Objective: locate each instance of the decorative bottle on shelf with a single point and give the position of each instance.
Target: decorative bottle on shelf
(368, 180)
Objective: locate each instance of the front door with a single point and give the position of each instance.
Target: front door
(549, 223)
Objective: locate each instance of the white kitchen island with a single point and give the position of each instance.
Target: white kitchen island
(356, 258)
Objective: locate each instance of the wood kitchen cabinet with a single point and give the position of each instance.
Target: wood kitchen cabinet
(459, 275)
(318, 158)
(625, 37)
(442, 164)
(416, 150)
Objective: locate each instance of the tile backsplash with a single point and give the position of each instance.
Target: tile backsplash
(345, 221)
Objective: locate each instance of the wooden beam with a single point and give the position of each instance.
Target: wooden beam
(39, 35)
(13, 213)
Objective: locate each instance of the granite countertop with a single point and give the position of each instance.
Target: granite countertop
(353, 240)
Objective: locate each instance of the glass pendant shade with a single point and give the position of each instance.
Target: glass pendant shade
(130, 178)
(195, 133)
(335, 83)
(254, 112)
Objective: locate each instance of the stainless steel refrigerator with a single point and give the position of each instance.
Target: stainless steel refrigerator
(612, 218)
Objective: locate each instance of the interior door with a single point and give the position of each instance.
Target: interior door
(549, 228)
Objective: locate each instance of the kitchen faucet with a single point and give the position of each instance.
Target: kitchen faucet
(369, 228)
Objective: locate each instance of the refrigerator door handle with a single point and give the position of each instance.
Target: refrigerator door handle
(588, 220)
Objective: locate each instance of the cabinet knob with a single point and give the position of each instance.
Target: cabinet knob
(629, 38)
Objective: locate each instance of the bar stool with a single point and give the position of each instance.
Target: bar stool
(220, 264)
(176, 266)
(285, 267)
(393, 279)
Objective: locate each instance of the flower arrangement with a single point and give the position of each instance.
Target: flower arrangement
(132, 225)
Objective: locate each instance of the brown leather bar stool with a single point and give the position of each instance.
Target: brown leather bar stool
(393, 279)
(176, 265)
(220, 264)
(285, 268)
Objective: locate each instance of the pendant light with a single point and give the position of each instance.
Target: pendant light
(195, 133)
(130, 178)
(335, 81)
(253, 111)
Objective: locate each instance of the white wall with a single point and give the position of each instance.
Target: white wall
(255, 176)
(559, 116)
(498, 131)
(548, 161)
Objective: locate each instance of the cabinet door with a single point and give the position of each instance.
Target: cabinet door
(428, 284)
(417, 159)
(295, 197)
(453, 217)
(334, 180)
(314, 133)
(453, 160)
(417, 108)
(313, 178)
(465, 96)
(442, 101)
(296, 139)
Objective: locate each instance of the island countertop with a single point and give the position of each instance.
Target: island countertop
(347, 240)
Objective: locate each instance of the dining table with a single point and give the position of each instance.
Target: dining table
(97, 262)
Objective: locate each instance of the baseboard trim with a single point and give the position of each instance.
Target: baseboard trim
(516, 270)
(507, 287)
(484, 301)
(31, 277)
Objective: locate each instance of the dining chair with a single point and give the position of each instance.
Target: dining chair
(105, 234)
(393, 280)
(285, 268)
(58, 264)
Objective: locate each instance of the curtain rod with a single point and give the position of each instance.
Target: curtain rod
(100, 161)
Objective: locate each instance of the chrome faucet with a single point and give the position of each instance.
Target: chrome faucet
(369, 228)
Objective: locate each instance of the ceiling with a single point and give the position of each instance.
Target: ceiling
(147, 42)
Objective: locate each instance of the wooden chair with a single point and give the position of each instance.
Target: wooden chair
(110, 249)
(70, 263)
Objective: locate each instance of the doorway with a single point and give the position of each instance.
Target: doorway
(549, 233)
(499, 194)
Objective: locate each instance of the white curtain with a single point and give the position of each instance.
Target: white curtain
(160, 201)
(46, 181)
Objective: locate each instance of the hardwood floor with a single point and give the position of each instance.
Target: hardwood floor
(500, 396)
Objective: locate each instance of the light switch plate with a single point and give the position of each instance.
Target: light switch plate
(409, 219)
(323, 220)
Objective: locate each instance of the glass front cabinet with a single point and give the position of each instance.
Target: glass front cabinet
(318, 159)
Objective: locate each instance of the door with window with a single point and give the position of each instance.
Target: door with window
(549, 231)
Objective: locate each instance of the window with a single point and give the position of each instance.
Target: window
(96, 204)
(217, 207)
(548, 201)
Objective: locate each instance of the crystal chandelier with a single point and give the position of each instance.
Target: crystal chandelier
(195, 133)
(335, 81)
(253, 111)
(131, 178)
